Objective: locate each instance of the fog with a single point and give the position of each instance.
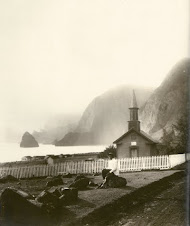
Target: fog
(56, 56)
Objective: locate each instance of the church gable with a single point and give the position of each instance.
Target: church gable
(134, 144)
(133, 134)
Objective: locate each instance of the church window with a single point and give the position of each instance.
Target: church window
(134, 153)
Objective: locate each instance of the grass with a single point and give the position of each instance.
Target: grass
(93, 203)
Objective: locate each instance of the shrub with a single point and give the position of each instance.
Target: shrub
(110, 149)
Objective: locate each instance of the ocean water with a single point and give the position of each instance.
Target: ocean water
(12, 152)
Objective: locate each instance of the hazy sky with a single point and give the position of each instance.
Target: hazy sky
(56, 56)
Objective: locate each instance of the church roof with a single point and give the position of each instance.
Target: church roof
(134, 101)
(148, 136)
(141, 133)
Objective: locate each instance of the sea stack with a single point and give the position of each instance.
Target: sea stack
(28, 141)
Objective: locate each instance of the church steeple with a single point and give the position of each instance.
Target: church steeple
(134, 123)
(134, 101)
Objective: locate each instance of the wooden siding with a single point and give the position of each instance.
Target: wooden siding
(144, 149)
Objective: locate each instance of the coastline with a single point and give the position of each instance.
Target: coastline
(11, 152)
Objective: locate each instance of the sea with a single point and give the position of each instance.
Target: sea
(10, 152)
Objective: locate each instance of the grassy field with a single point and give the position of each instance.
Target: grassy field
(92, 200)
(167, 208)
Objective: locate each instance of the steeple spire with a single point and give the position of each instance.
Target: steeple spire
(134, 101)
(134, 123)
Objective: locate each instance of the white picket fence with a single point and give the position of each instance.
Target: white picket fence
(84, 167)
(88, 167)
(144, 163)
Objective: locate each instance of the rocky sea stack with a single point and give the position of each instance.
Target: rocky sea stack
(28, 141)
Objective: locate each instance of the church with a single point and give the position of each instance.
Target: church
(135, 142)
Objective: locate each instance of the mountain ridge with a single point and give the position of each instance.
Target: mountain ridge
(168, 102)
(107, 112)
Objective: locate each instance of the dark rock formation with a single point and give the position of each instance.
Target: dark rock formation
(16, 208)
(48, 198)
(67, 175)
(168, 102)
(80, 184)
(113, 181)
(70, 195)
(54, 182)
(20, 208)
(8, 178)
(117, 182)
(78, 177)
(28, 141)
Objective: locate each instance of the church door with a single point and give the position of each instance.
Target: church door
(134, 153)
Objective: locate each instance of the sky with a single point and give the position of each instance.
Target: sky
(56, 56)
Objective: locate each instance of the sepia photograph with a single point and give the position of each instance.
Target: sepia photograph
(94, 113)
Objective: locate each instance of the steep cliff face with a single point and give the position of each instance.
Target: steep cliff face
(168, 102)
(106, 116)
(105, 119)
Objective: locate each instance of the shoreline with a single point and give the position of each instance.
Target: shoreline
(11, 152)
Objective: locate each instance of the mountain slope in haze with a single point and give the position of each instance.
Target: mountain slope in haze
(105, 118)
(168, 102)
(56, 127)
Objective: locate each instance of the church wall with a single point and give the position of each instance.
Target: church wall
(144, 149)
(153, 151)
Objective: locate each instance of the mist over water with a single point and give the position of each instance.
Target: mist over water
(12, 152)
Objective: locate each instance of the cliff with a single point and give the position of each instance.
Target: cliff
(168, 102)
(105, 118)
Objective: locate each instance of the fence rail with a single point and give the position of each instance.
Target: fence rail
(90, 167)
